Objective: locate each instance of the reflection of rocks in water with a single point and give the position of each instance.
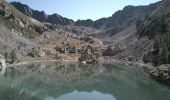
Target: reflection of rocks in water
(9, 93)
(2, 65)
(56, 79)
(70, 72)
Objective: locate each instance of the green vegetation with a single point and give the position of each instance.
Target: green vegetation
(90, 55)
(162, 46)
(111, 52)
(158, 30)
(11, 57)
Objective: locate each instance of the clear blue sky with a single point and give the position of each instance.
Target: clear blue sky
(83, 9)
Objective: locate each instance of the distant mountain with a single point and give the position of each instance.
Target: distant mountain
(119, 20)
(86, 23)
(128, 15)
(41, 15)
(122, 22)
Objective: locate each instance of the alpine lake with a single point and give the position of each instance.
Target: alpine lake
(62, 81)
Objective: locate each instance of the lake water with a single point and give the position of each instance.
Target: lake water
(59, 81)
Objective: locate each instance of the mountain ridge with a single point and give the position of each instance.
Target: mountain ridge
(120, 28)
(97, 24)
(44, 17)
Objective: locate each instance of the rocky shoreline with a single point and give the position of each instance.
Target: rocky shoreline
(161, 74)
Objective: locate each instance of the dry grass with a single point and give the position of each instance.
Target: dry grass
(49, 45)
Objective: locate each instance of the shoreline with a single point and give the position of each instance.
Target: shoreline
(147, 67)
(39, 61)
(150, 69)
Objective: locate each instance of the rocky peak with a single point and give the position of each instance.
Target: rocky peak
(58, 19)
(23, 8)
(86, 23)
(41, 15)
(128, 15)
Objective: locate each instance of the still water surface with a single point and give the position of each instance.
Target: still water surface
(59, 81)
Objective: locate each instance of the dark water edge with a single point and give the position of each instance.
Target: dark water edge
(61, 81)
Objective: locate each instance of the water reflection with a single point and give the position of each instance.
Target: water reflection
(76, 95)
(2, 69)
(58, 81)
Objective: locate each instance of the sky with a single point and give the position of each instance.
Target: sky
(82, 9)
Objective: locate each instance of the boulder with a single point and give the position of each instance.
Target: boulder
(41, 53)
(83, 62)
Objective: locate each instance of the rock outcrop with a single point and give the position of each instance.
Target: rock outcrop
(86, 23)
(162, 73)
(58, 19)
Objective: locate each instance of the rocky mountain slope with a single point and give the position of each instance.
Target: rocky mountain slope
(130, 31)
(17, 28)
(18, 34)
(156, 26)
(111, 29)
(25, 38)
(41, 15)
